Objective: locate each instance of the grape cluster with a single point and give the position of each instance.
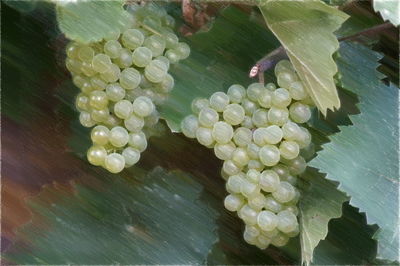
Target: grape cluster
(121, 80)
(256, 133)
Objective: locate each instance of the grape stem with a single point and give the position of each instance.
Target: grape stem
(271, 59)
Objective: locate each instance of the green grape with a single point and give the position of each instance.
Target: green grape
(119, 136)
(272, 205)
(138, 141)
(97, 83)
(273, 134)
(260, 118)
(270, 86)
(280, 240)
(166, 85)
(99, 116)
(129, 78)
(263, 242)
(254, 91)
(168, 21)
(236, 93)
(134, 123)
(247, 122)
(112, 35)
(222, 132)
(297, 165)
(189, 126)
(287, 221)
(156, 71)
(98, 99)
(100, 135)
(183, 50)
(87, 69)
(289, 149)
(265, 99)
(240, 157)
(248, 215)
(234, 114)
(123, 109)
(253, 150)
(282, 171)
(284, 193)
(156, 44)
(143, 106)
(255, 164)
(131, 156)
(299, 113)
(101, 63)
(233, 202)
(204, 136)
(291, 131)
(114, 163)
(132, 38)
(304, 138)
(171, 40)
(96, 155)
(115, 92)
(152, 22)
(218, 101)
(297, 91)
(242, 136)
(163, 59)
(283, 65)
(198, 104)
(269, 155)
(286, 78)
(85, 119)
(125, 58)
(152, 119)
(281, 98)
(230, 167)
(172, 56)
(278, 116)
(253, 176)
(79, 80)
(259, 136)
(234, 183)
(142, 56)
(249, 189)
(249, 106)
(267, 220)
(224, 151)
(112, 74)
(112, 48)
(269, 181)
(257, 201)
(208, 117)
(85, 53)
(82, 102)
(73, 65)
(72, 50)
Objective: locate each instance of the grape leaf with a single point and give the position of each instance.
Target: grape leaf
(363, 157)
(389, 9)
(156, 218)
(320, 202)
(305, 29)
(91, 21)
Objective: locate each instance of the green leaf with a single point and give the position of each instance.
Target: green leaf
(389, 9)
(219, 58)
(156, 218)
(363, 157)
(320, 202)
(305, 29)
(91, 21)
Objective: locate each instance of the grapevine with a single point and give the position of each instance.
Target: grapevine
(122, 79)
(258, 134)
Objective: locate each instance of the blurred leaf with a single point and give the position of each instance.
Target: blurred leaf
(320, 202)
(156, 218)
(389, 9)
(305, 29)
(91, 21)
(219, 58)
(22, 6)
(363, 157)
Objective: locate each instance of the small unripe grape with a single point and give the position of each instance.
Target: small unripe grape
(255, 164)
(269, 155)
(86, 120)
(257, 201)
(291, 131)
(249, 237)
(242, 136)
(269, 181)
(234, 183)
(282, 171)
(73, 65)
(286, 78)
(249, 189)
(101, 63)
(156, 44)
(270, 86)
(96, 155)
(287, 221)
(259, 136)
(131, 156)
(86, 87)
(99, 115)
(198, 104)
(118, 136)
(72, 50)
(236, 93)
(252, 231)
(295, 232)
(230, 167)
(97, 83)
(265, 99)
(233, 114)
(263, 242)
(112, 35)
(290, 179)
(98, 99)
(129, 78)
(143, 106)
(253, 175)
(272, 205)
(233, 202)
(79, 80)
(278, 116)
(82, 102)
(249, 106)
(260, 118)
(280, 240)
(123, 109)
(189, 126)
(166, 85)
(254, 91)
(112, 48)
(172, 56)
(253, 150)
(222, 132)
(142, 56)
(297, 91)
(183, 50)
(125, 58)
(218, 101)
(281, 98)
(299, 113)
(87, 69)
(273, 134)
(115, 92)
(171, 40)
(134, 123)
(156, 71)
(303, 139)
(112, 74)
(284, 193)
(224, 151)
(289, 149)
(138, 141)
(297, 165)
(267, 220)
(283, 65)
(132, 38)
(85, 53)
(247, 122)
(208, 117)
(240, 157)
(204, 136)
(114, 163)
(112, 121)
(248, 215)
(163, 59)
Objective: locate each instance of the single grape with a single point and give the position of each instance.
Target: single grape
(234, 114)
(115, 92)
(253, 150)
(132, 38)
(101, 63)
(156, 71)
(112, 48)
(233, 202)
(142, 56)
(85, 53)
(284, 193)
(270, 86)
(254, 91)
(291, 131)
(296, 166)
(249, 106)
(123, 109)
(208, 117)
(97, 83)
(242, 136)
(259, 136)
(281, 98)
(299, 113)
(283, 65)
(247, 122)
(224, 151)
(98, 99)
(112, 121)
(240, 157)
(204, 136)
(87, 69)
(267, 220)
(72, 50)
(222, 132)
(269, 155)
(198, 104)
(248, 215)
(189, 126)
(131, 156)
(297, 91)
(112, 74)
(129, 78)
(287, 221)
(260, 118)
(171, 40)
(134, 123)
(230, 167)
(265, 99)
(96, 155)
(183, 50)
(257, 201)
(234, 183)
(114, 163)
(249, 189)
(278, 116)
(263, 242)
(73, 65)
(79, 80)
(286, 78)
(303, 139)
(99, 115)
(269, 181)
(119, 136)
(166, 85)
(218, 101)
(289, 149)
(163, 59)
(272, 205)
(273, 134)
(172, 56)
(282, 171)
(143, 106)
(138, 141)
(85, 119)
(253, 176)
(156, 44)
(82, 102)
(255, 164)
(280, 240)
(236, 93)
(125, 58)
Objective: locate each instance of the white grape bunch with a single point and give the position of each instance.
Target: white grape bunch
(258, 133)
(122, 79)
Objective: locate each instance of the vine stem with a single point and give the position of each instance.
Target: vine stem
(271, 59)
